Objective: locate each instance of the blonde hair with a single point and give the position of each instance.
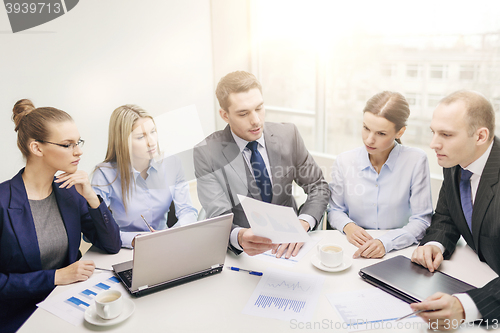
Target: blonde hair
(31, 123)
(121, 123)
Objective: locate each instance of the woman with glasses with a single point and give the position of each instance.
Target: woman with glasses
(137, 183)
(382, 185)
(42, 216)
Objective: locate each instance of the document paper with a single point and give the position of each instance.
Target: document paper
(370, 309)
(278, 223)
(71, 304)
(271, 258)
(285, 295)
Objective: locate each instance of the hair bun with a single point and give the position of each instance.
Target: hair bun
(22, 108)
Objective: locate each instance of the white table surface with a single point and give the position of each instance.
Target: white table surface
(215, 303)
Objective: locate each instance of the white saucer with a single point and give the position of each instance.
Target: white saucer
(317, 263)
(92, 317)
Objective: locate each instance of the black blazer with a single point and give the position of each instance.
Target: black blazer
(448, 224)
(23, 282)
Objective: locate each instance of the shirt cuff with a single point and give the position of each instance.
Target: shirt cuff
(233, 238)
(439, 245)
(309, 219)
(386, 243)
(127, 238)
(470, 308)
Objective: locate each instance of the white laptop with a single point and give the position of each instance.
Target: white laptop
(170, 257)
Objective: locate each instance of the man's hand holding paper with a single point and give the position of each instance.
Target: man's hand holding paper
(272, 227)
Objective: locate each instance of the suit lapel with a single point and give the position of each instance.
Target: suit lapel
(235, 164)
(273, 148)
(22, 222)
(485, 193)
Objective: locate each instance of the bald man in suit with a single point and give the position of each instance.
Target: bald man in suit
(469, 205)
(256, 159)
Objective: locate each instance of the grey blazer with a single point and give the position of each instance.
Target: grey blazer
(448, 224)
(218, 158)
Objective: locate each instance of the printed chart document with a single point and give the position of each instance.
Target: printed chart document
(270, 257)
(372, 309)
(71, 304)
(278, 223)
(285, 295)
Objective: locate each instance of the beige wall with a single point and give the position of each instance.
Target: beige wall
(103, 54)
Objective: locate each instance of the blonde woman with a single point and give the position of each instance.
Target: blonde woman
(133, 180)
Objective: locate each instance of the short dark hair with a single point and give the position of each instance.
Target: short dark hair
(235, 82)
(480, 112)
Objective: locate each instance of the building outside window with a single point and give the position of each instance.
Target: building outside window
(438, 72)
(467, 72)
(319, 74)
(389, 70)
(413, 70)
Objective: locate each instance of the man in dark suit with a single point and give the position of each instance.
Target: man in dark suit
(256, 159)
(463, 127)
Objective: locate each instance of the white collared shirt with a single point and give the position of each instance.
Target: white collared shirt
(247, 154)
(476, 167)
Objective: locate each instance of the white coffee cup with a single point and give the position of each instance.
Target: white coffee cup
(109, 304)
(331, 255)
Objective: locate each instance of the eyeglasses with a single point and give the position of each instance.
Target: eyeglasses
(71, 145)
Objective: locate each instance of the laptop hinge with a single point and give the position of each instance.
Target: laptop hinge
(142, 287)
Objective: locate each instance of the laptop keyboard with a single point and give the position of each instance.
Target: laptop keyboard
(126, 277)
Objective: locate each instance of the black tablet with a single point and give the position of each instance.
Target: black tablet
(410, 282)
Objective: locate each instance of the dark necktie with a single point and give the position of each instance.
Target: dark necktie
(260, 172)
(465, 196)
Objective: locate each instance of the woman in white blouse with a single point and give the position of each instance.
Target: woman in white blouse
(382, 185)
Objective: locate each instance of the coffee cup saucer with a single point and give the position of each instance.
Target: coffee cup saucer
(346, 263)
(92, 317)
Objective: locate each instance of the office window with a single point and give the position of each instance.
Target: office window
(433, 100)
(319, 74)
(362, 95)
(496, 107)
(288, 82)
(413, 99)
(438, 72)
(413, 70)
(388, 70)
(467, 72)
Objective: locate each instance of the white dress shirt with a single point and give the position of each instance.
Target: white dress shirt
(247, 154)
(476, 167)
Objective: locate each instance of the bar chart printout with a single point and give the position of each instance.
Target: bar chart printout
(285, 295)
(72, 304)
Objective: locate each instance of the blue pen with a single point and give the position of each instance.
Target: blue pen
(246, 270)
